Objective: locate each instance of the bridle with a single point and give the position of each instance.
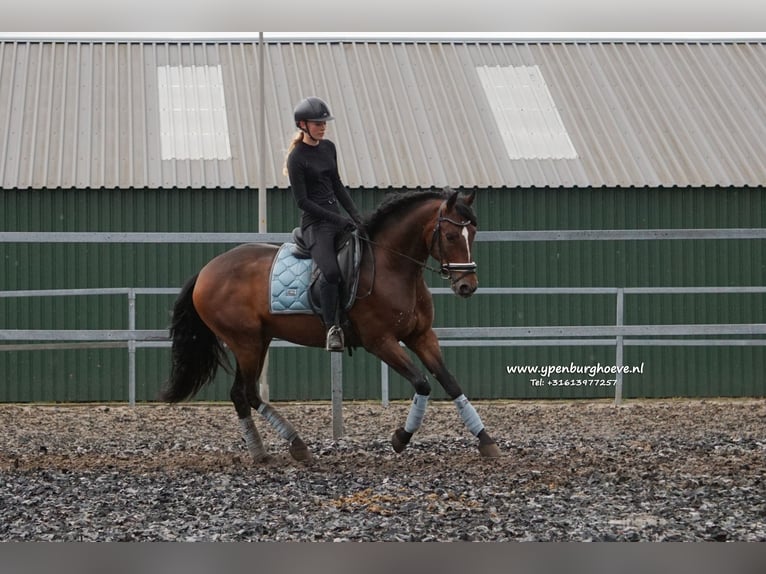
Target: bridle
(446, 269)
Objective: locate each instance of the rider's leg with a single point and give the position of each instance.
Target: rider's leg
(323, 252)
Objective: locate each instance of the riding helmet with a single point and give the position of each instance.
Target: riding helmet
(312, 109)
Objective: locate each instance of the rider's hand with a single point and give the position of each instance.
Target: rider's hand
(350, 225)
(358, 223)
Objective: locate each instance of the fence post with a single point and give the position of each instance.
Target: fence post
(132, 348)
(336, 372)
(618, 360)
(263, 382)
(384, 383)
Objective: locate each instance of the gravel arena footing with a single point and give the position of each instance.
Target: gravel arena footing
(660, 470)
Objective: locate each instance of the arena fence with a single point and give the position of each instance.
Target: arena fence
(618, 335)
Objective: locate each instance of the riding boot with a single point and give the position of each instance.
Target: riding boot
(328, 301)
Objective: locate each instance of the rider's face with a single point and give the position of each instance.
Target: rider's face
(316, 129)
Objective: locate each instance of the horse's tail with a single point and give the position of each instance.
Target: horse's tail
(196, 351)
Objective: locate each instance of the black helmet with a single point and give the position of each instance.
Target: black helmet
(312, 109)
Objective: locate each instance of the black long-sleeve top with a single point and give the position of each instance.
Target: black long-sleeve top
(316, 185)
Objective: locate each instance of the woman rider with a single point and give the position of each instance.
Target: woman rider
(312, 167)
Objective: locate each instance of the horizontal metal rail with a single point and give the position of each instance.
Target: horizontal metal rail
(87, 342)
(618, 335)
(576, 342)
(621, 234)
(81, 292)
(603, 331)
(448, 336)
(136, 237)
(81, 335)
(603, 290)
(545, 235)
(471, 333)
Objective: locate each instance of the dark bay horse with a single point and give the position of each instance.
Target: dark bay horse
(228, 302)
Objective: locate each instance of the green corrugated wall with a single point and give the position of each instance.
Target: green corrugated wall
(101, 374)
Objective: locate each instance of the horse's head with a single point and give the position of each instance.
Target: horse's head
(451, 243)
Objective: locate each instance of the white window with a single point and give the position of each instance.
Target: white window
(192, 113)
(525, 112)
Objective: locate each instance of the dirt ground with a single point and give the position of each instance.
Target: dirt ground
(569, 470)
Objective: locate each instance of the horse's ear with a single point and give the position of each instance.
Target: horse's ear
(469, 197)
(452, 198)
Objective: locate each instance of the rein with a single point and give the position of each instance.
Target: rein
(422, 264)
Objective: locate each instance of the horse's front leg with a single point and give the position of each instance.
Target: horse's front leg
(426, 347)
(391, 353)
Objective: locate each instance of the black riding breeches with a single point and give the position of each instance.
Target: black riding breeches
(321, 242)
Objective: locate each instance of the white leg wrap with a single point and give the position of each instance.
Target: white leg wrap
(283, 428)
(417, 412)
(252, 438)
(469, 415)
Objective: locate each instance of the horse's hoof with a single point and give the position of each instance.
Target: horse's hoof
(489, 450)
(263, 459)
(400, 439)
(299, 451)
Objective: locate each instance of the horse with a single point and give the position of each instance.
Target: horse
(227, 305)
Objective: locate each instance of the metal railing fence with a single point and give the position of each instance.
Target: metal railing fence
(618, 335)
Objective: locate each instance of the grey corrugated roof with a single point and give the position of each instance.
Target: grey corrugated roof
(409, 114)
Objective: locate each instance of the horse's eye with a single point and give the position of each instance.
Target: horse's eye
(451, 236)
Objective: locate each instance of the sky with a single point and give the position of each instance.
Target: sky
(509, 18)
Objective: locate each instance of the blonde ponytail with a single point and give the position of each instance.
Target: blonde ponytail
(296, 139)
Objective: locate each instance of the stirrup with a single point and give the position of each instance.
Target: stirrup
(334, 339)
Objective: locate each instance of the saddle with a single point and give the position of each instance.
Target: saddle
(294, 279)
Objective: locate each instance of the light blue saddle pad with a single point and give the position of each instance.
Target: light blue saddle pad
(289, 282)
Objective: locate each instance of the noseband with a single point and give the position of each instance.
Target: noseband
(446, 269)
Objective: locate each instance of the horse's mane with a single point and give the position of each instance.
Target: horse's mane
(396, 203)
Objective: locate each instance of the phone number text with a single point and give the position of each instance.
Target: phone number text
(573, 382)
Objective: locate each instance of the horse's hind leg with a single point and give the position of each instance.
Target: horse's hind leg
(249, 432)
(298, 449)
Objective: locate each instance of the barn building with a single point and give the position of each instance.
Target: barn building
(164, 136)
